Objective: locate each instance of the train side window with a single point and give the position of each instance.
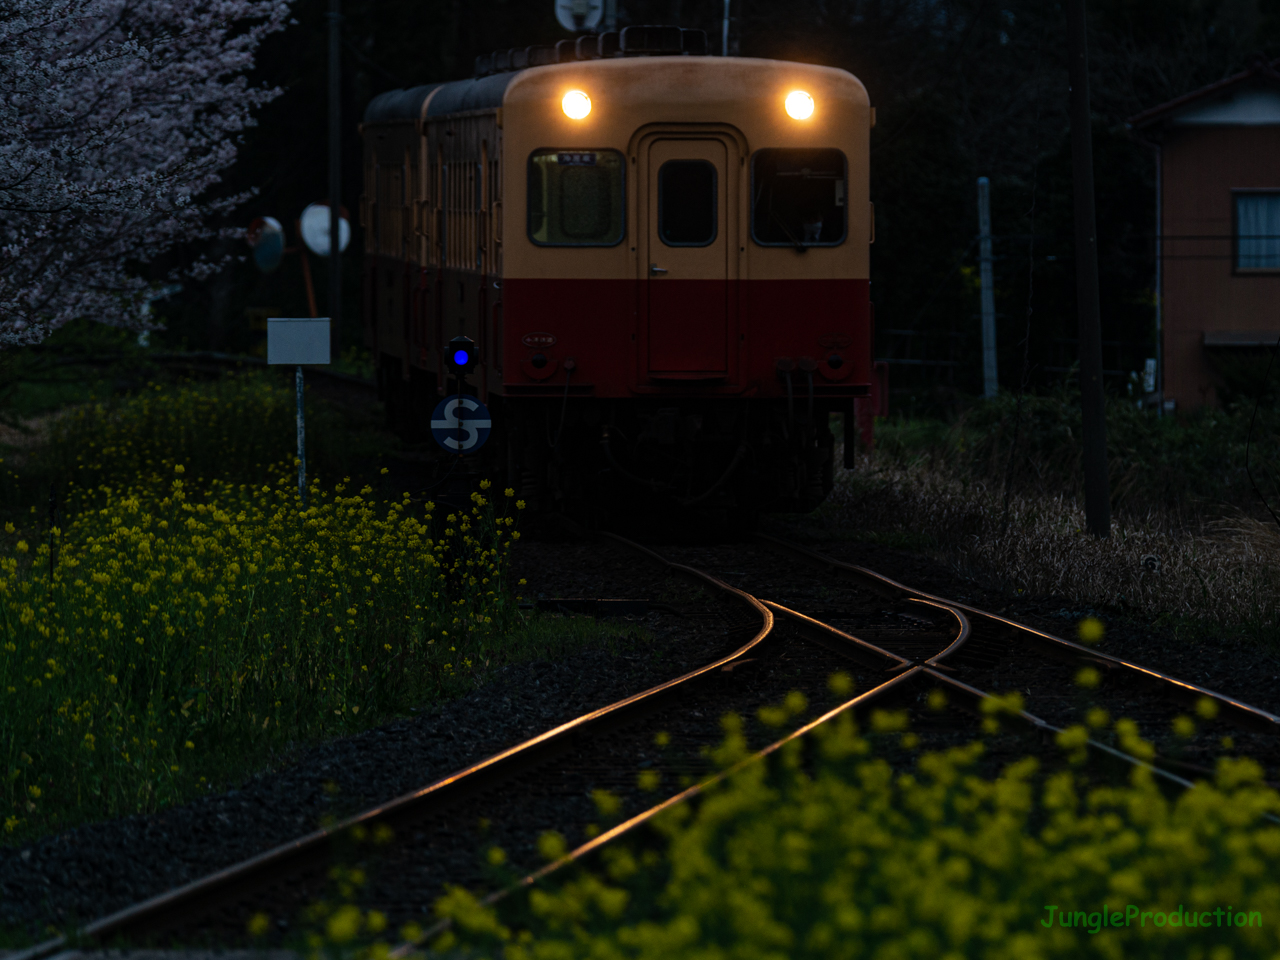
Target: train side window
(576, 198)
(687, 203)
(798, 197)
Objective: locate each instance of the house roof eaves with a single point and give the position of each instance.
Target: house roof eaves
(1260, 70)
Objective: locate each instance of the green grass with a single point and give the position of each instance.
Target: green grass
(1192, 460)
(234, 426)
(70, 367)
(169, 625)
(997, 493)
(189, 617)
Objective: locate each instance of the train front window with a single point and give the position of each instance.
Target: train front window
(798, 197)
(687, 203)
(576, 198)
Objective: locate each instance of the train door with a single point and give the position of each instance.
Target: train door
(687, 260)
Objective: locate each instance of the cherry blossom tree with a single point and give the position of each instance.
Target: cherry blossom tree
(116, 118)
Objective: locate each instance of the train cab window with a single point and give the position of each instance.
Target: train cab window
(798, 197)
(576, 198)
(687, 203)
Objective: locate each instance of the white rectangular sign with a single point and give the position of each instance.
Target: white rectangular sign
(298, 340)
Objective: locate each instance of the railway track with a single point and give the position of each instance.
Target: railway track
(918, 664)
(1004, 655)
(898, 643)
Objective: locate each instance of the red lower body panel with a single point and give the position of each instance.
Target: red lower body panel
(685, 342)
(688, 328)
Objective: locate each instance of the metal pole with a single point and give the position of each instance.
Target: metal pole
(1097, 496)
(1159, 281)
(306, 272)
(335, 177)
(458, 412)
(302, 442)
(724, 38)
(990, 380)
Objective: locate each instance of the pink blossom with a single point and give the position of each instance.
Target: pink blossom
(116, 117)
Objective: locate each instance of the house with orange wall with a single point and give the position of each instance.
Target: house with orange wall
(1217, 230)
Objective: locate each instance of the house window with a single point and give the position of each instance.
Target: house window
(1258, 231)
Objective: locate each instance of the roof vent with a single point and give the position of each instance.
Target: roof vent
(484, 64)
(694, 42)
(609, 44)
(636, 41)
(588, 47)
(501, 61)
(519, 59)
(540, 56)
(566, 51)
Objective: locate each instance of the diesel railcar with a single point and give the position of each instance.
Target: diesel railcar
(661, 256)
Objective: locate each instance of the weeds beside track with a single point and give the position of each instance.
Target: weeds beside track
(1224, 572)
(163, 636)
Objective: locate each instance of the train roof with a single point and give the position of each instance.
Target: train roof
(477, 93)
(494, 72)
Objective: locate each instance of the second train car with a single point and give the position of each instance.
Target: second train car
(661, 256)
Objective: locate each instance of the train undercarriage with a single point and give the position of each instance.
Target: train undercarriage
(592, 458)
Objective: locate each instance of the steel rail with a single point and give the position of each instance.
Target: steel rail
(203, 895)
(857, 649)
(843, 643)
(846, 644)
(405, 949)
(1237, 711)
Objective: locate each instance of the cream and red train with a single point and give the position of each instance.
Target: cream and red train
(661, 256)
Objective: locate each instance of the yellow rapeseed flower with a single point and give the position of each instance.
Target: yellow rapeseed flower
(1091, 630)
(259, 925)
(1184, 727)
(1088, 677)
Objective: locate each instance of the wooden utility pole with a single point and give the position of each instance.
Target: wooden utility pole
(1097, 494)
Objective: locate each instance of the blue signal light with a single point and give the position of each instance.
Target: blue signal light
(462, 355)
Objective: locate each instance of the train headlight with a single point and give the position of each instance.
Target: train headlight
(576, 105)
(799, 105)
